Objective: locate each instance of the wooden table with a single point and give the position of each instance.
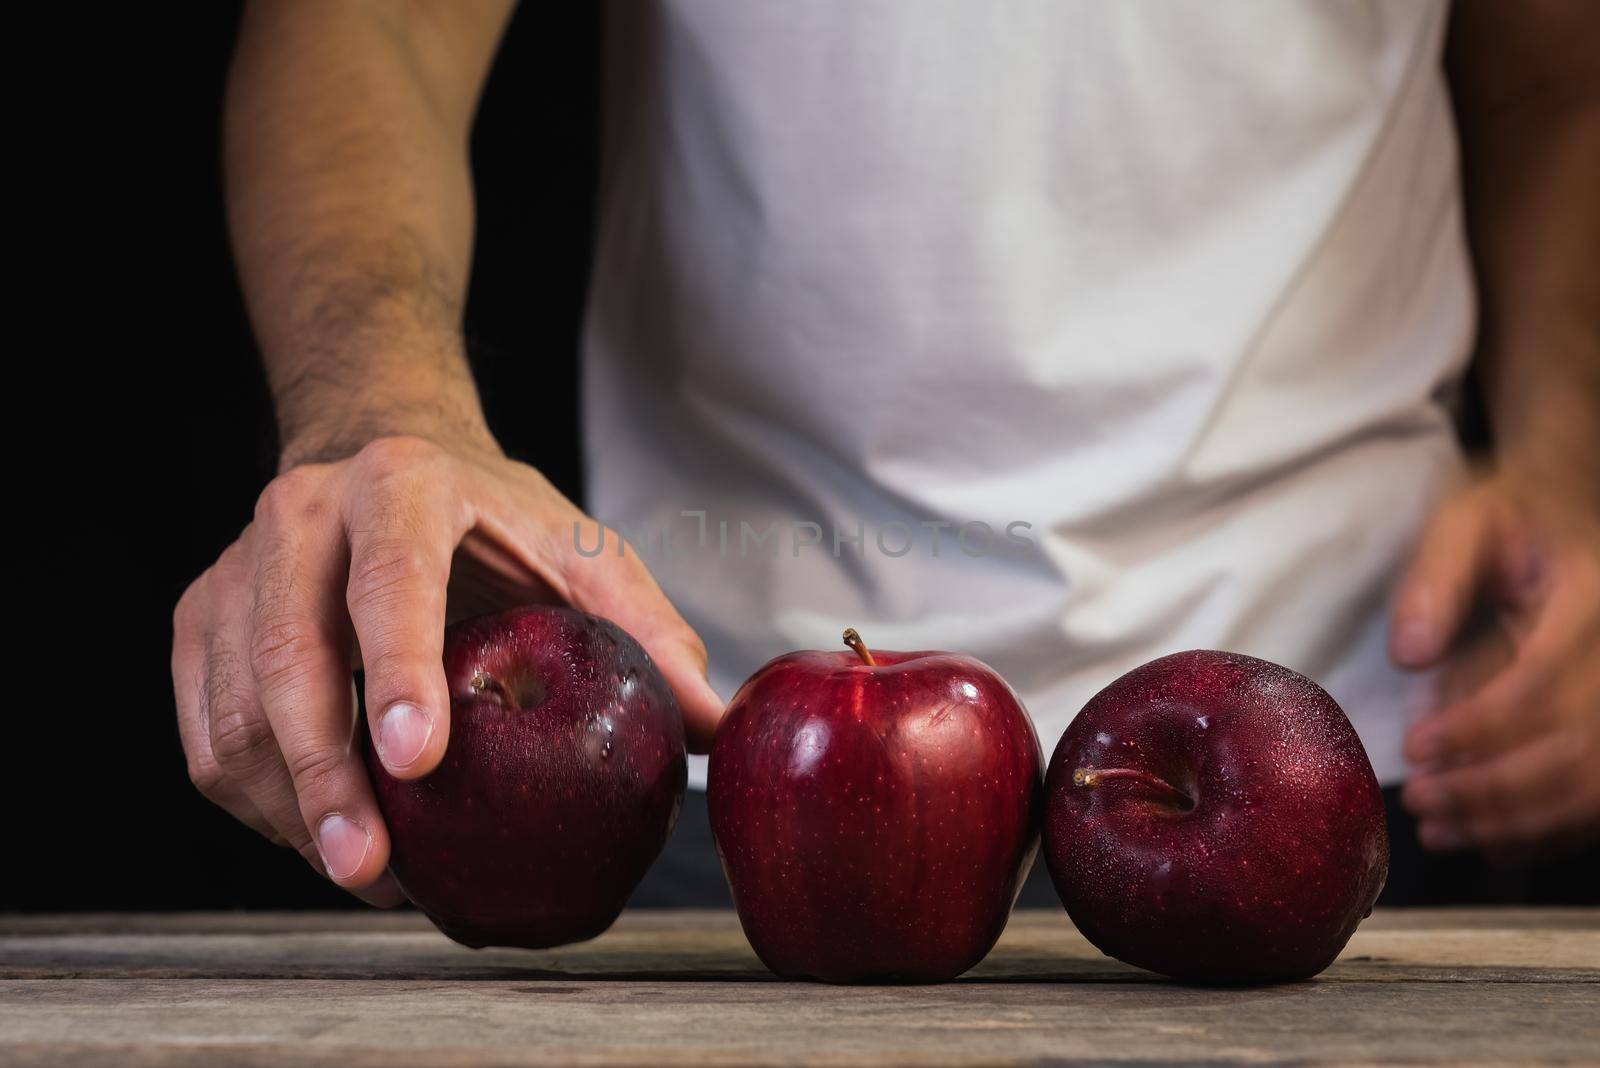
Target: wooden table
(1456, 987)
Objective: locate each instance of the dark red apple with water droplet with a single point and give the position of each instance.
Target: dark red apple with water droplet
(875, 812)
(560, 784)
(1214, 817)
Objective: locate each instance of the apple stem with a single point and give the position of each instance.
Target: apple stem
(1093, 777)
(853, 640)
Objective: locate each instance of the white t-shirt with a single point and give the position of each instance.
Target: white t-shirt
(1181, 286)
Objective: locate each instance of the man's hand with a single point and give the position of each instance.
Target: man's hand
(364, 560)
(1507, 760)
(350, 208)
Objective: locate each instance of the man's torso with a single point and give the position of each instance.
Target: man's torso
(1179, 286)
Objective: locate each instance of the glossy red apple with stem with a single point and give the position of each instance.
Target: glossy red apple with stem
(562, 780)
(1214, 817)
(875, 812)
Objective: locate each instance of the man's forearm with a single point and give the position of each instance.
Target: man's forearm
(1527, 96)
(350, 206)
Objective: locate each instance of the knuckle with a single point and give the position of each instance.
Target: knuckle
(292, 498)
(1451, 740)
(1467, 732)
(288, 496)
(314, 768)
(241, 739)
(696, 647)
(384, 459)
(280, 650)
(206, 776)
(1446, 797)
(388, 567)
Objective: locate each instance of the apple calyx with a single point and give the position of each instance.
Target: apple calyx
(1092, 777)
(859, 647)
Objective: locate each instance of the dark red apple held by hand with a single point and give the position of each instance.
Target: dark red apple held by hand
(875, 812)
(1214, 817)
(561, 782)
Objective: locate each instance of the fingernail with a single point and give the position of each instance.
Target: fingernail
(344, 844)
(1441, 836)
(1413, 641)
(403, 733)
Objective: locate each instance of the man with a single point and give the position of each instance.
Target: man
(1170, 301)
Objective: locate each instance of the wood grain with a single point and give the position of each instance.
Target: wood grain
(1446, 987)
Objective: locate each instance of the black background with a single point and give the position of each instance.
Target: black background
(154, 429)
(142, 435)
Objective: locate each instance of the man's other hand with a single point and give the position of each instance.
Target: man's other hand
(1506, 761)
